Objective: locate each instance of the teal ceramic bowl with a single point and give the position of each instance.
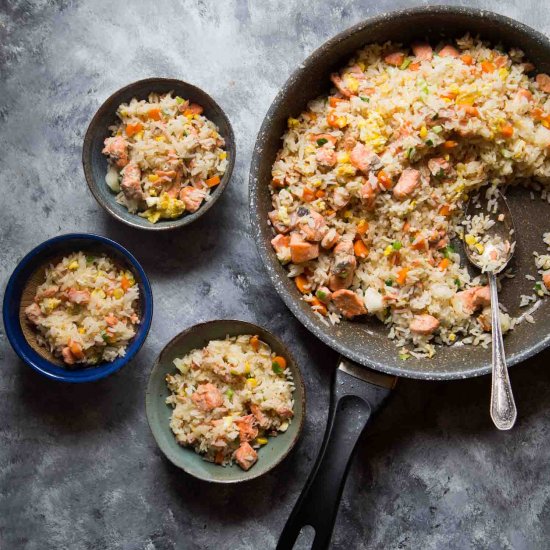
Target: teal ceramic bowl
(158, 412)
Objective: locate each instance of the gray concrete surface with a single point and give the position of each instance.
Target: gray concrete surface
(78, 466)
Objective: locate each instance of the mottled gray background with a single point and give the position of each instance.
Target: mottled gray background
(78, 465)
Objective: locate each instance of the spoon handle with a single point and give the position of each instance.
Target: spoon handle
(503, 407)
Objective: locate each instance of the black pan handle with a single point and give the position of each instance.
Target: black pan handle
(357, 393)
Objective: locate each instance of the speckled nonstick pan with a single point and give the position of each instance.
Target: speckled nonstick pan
(366, 342)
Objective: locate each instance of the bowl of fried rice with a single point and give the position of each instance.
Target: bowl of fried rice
(77, 308)
(158, 153)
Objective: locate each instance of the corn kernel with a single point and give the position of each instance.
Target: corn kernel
(348, 214)
(503, 73)
(247, 367)
(388, 250)
(138, 136)
(293, 122)
(470, 240)
(223, 155)
(452, 337)
(480, 248)
(73, 265)
(261, 441)
(152, 192)
(160, 138)
(153, 178)
(118, 293)
(252, 382)
(423, 132)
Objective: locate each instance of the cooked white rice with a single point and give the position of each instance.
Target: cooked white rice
(85, 312)
(164, 157)
(475, 111)
(246, 385)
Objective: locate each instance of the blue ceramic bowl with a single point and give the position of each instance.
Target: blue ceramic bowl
(35, 260)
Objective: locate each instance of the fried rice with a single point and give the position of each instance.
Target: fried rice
(369, 186)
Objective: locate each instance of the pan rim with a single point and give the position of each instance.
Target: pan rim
(257, 220)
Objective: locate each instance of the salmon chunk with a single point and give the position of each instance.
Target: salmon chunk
(78, 296)
(247, 430)
(543, 80)
(279, 226)
(424, 324)
(311, 225)
(33, 313)
(546, 280)
(330, 239)
(302, 251)
(246, 456)
(192, 198)
(368, 195)
(48, 292)
(207, 397)
(349, 303)
(131, 182)
(117, 149)
(340, 86)
(469, 300)
(408, 182)
(281, 245)
(326, 156)
(261, 418)
(438, 166)
(364, 159)
(67, 355)
(343, 267)
(395, 58)
(422, 51)
(448, 51)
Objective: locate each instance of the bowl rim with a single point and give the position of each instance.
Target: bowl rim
(298, 381)
(19, 344)
(184, 219)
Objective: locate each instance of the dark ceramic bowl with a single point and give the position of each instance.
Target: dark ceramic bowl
(158, 412)
(22, 285)
(95, 162)
(367, 342)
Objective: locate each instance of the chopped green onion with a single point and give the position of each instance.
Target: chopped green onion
(322, 141)
(364, 98)
(90, 259)
(437, 129)
(179, 100)
(396, 245)
(424, 87)
(537, 287)
(404, 356)
(429, 143)
(448, 250)
(440, 173)
(411, 152)
(389, 282)
(457, 283)
(405, 63)
(321, 294)
(229, 393)
(276, 368)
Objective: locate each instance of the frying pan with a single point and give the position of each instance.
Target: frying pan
(358, 391)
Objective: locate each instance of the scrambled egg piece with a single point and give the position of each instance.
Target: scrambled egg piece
(166, 208)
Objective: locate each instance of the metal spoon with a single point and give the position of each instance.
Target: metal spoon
(503, 408)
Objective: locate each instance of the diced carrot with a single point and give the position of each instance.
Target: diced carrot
(277, 183)
(336, 121)
(255, 342)
(467, 59)
(444, 264)
(320, 193)
(449, 144)
(406, 227)
(488, 66)
(414, 66)
(133, 129)
(154, 113)
(419, 244)
(507, 130)
(384, 180)
(308, 195)
(281, 361)
(469, 109)
(329, 212)
(124, 283)
(445, 210)
(213, 181)
(537, 113)
(361, 251)
(302, 283)
(362, 227)
(333, 101)
(401, 278)
(76, 349)
(319, 306)
(449, 95)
